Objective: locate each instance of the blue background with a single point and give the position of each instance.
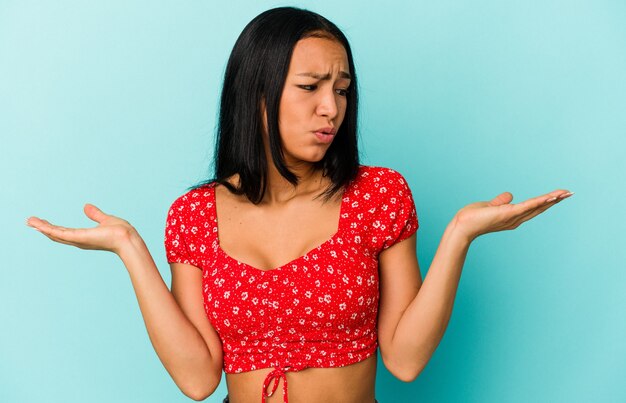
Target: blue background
(114, 103)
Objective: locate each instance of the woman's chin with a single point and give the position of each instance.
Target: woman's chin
(305, 158)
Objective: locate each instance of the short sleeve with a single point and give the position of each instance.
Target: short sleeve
(396, 214)
(178, 245)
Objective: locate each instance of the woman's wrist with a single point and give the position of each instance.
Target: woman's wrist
(457, 231)
(130, 245)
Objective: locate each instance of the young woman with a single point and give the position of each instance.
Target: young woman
(313, 264)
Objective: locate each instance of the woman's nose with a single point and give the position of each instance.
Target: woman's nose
(328, 104)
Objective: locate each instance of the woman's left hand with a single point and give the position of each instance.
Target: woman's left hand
(480, 218)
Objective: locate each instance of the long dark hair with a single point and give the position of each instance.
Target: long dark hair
(256, 72)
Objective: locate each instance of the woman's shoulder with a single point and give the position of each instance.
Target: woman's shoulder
(194, 197)
(187, 215)
(378, 175)
(386, 203)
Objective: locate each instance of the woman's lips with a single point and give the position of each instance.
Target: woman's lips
(325, 134)
(324, 137)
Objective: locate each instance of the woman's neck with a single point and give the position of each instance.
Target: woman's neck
(279, 190)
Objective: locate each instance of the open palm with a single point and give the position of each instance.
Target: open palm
(498, 215)
(108, 235)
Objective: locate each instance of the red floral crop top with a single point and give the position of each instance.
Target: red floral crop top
(320, 309)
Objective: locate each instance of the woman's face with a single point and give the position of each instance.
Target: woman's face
(313, 102)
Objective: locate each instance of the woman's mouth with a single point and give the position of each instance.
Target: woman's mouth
(325, 134)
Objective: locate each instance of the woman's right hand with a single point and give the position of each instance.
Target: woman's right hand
(110, 234)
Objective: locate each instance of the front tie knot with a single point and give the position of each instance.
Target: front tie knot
(276, 375)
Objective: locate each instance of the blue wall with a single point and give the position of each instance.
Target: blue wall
(114, 103)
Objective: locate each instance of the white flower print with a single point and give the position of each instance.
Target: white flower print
(273, 329)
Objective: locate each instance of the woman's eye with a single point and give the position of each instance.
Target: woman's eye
(342, 91)
(308, 87)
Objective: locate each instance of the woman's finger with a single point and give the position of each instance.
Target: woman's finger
(52, 227)
(48, 231)
(530, 205)
(519, 220)
(70, 236)
(65, 234)
(535, 212)
(538, 209)
(57, 239)
(502, 198)
(94, 213)
(37, 223)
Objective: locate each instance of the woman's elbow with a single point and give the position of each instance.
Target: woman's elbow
(197, 395)
(199, 392)
(407, 376)
(200, 389)
(404, 372)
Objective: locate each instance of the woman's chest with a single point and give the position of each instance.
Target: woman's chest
(269, 237)
(329, 290)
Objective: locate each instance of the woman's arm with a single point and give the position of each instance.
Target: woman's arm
(414, 316)
(191, 355)
(191, 352)
(408, 337)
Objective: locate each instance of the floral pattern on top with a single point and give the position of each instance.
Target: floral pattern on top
(320, 309)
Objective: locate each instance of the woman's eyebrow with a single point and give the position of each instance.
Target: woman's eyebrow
(319, 76)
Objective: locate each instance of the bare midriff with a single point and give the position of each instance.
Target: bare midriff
(350, 384)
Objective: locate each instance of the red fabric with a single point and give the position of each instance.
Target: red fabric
(275, 375)
(320, 309)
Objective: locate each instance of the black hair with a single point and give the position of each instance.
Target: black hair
(255, 74)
